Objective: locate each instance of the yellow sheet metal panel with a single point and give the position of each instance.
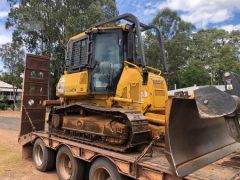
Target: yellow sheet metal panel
(76, 84)
(158, 87)
(154, 94)
(129, 86)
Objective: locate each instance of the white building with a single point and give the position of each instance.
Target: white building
(7, 90)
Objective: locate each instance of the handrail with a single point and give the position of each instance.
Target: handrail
(154, 69)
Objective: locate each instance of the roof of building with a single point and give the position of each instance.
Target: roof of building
(7, 87)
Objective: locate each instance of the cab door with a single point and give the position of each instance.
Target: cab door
(107, 61)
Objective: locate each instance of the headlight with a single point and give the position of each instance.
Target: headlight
(60, 87)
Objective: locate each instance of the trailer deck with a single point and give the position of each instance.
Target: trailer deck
(151, 166)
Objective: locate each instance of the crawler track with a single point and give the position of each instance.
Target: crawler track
(139, 131)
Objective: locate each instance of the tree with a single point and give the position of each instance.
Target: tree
(199, 57)
(12, 56)
(217, 53)
(176, 34)
(171, 24)
(46, 26)
(227, 62)
(234, 39)
(194, 74)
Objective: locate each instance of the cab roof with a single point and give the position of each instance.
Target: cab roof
(92, 29)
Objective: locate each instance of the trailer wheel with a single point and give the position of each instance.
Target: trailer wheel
(103, 169)
(43, 157)
(69, 167)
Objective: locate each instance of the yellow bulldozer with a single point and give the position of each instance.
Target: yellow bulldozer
(110, 98)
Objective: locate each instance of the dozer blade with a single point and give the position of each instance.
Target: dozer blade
(193, 142)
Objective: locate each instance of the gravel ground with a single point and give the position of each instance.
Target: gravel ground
(10, 123)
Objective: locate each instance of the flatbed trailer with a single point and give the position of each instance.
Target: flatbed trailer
(148, 163)
(135, 165)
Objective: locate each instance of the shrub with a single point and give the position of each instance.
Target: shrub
(3, 106)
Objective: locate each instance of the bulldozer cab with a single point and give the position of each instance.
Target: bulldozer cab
(103, 51)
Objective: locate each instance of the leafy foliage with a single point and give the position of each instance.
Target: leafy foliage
(176, 34)
(171, 24)
(195, 73)
(12, 55)
(199, 58)
(45, 27)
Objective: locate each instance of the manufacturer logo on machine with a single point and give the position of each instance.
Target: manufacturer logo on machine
(70, 90)
(157, 81)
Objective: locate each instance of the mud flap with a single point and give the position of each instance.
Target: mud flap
(193, 142)
(35, 91)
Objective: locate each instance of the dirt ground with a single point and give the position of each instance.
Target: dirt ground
(11, 164)
(11, 114)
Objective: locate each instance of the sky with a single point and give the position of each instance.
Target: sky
(223, 14)
(202, 13)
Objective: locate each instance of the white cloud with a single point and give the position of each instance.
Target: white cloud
(5, 35)
(149, 11)
(5, 38)
(230, 27)
(3, 14)
(149, 4)
(203, 12)
(143, 9)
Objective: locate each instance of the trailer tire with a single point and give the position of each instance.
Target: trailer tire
(43, 157)
(69, 167)
(103, 169)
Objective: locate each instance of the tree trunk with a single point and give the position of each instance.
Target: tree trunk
(14, 97)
